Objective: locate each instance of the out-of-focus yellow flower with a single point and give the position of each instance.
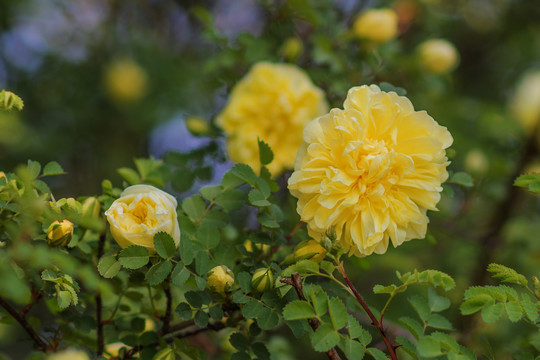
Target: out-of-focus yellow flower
(140, 213)
(370, 171)
(60, 233)
(476, 162)
(438, 56)
(197, 125)
(291, 49)
(70, 354)
(273, 102)
(263, 279)
(113, 349)
(220, 278)
(377, 25)
(125, 81)
(250, 247)
(310, 250)
(525, 105)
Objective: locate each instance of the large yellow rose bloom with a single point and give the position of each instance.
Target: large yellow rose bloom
(272, 102)
(140, 213)
(370, 171)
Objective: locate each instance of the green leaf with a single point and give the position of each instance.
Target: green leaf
(298, 309)
(356, 331)
(165, 354)
(158, 272)
(428, 347)
(208, 236)
(265, 153)
(184, 311)
(239, 341)
(216, 312)
(268, 320)
(210, 192)
(133, 257)
(513, 310)
(436, 302)
(230, 181)
(130, 175)
(530, 181)
(203, 263)
(353, 349)
(318, 298)
(53, 168)
(324, 338)
(34, 168)
(252, 309)
(379, 289)
(244, 280)
(421, 306)
(180, 275)
(231, 199)
(492, 312)
(108, 266)
(376, 354)
(194, 207)
(507, 275)
(260, 351)
(183, 179)
(164, 245)
(407, 346)
(529, 307)
(194, 299)
(244, 172)
(414, 327)
(266, 220)
(338, 313)
(475, 303)
(201, 319)
(462, 178)
(63, 299)
(240, 356)
(257, 198)
(438, 321)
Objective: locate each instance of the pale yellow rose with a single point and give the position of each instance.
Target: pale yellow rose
(69, 354)
(125, 81)
(370, 171)
(438, 56)
(310, 250)
(525, 104)
(220, 278)
(263, 279)
(60, 233)
(140, 213)
(273, 102)
(377, 25)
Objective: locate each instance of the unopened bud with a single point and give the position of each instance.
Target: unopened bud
(438, 56)
(60, 233)
(263, 279)
(250, 246)
(377, 25)
(220, 278)
(197, 126)
(291, 49)
(310, 250)
(91, 207)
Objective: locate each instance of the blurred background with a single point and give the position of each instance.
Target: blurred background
(105, 82)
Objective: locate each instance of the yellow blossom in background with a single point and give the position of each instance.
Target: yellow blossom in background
(113, 349)
(272, 102)
(140, 213)
(69, 354)
(220, 278)
(525, 105)
(197, 125)
(438, 56)
(377, 25)
(60, 233)
(125, 81)
(370, 171)
(476, 162)
(291, 49)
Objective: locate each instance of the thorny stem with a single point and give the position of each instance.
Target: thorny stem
(296, 282)
(378, 324)
(99, 305)
(20, 317)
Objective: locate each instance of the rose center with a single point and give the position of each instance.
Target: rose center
(140, 212)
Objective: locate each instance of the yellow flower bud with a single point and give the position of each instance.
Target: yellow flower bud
(113, 349)
(377, 25)
(91, 207)
(60, 233)
(125, 81)
(197, 125)
(263, 279)
(476, 162)
(525, 105)
(220, 278)
(69, 354)
(438, 56)
(291, 49)
(250, 247)
(3, 179)
(310, 250)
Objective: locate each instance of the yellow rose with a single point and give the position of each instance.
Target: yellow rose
(263, 279)
(125, 81)
(438, 56)
(525, 105)
(140, 213)
(220, 278)
(370, 171)
(377, 25)
(69, 354)
(272, 102)
(311, 250)
(60, 233)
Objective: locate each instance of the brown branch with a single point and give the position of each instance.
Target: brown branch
(391, 349)
(41, 345)
(296, 283)
(99, 305)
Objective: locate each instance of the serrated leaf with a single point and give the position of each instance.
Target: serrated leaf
(63, 299)
(318, 298)
(194, 207)
(201, 319)
(438, 321)
(463, 179)
(158, 272)
(475, 303)
(260, 351)
(208, 236)
(53, 168)
(530, 308)
(338, 313)
(436, 302)
(216, 312)
(268, 320)
(297, 309)
(267, 220)
(34, 168)
(376, 354)
(257, 198)
(421, 306)
(210, 192)
(265, 153)
(180, 275)
(130, 175)
(492, 312)
(165, 354)
(164, 245)
(530, 181)
(231, 199)
(184, 311)
(324, 338)
(239, 341)
(428, 347)
(508, 275)
(357, 332)
(513, 310)
(252, 309)
(244, 280)
(133, 257)
(244, 172)
(108, 266)
(241, 356)
(353, 349)
(379, 289)
(230, 181)
(407, 345)
(414, 327)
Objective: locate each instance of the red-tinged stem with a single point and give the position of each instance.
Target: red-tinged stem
(391, 349)
(26, 326)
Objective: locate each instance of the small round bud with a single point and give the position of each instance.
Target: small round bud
(251, 247)
(263, 279)
(220, 278)
(60, 233)
(377, 25)
(291, 49)
(310, 250)
(197, 126)
(125, 81)
(438, 56)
